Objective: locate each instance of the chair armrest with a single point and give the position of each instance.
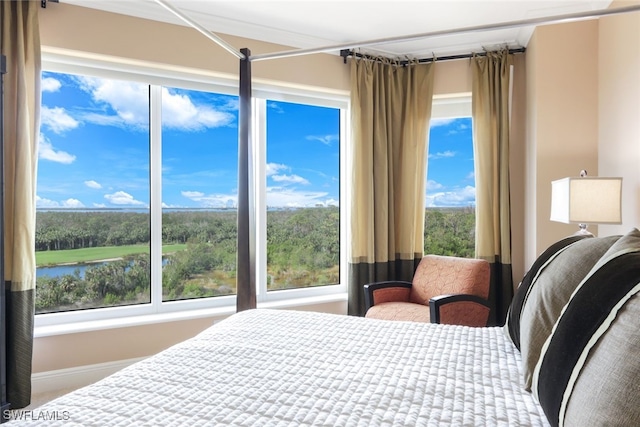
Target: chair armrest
(459, 309)
(379, 292)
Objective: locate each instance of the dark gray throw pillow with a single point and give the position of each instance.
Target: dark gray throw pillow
(512, 324)
(552, 288)
(589, 367)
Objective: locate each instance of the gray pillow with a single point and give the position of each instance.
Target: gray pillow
(589, 367)
(512, 323)
(550, 291)
(607, 391)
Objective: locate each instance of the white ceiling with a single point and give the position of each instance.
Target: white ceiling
(318, 23)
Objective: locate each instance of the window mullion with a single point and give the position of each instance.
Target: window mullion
(155, 170)
(260, 186)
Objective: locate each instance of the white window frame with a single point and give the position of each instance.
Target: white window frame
(451, 105)
(157, 76)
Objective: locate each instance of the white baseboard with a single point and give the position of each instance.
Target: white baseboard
(76, 377)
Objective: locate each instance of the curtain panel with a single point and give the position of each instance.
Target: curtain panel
(490, 110)
(21, 46)
(390, 113)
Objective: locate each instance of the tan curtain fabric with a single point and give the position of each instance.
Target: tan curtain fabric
(390, 112)
(21, 45)
(490, 110)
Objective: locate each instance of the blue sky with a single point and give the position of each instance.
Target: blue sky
(450, 170)
(94, 150)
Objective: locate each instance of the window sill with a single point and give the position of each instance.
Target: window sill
(219, 313)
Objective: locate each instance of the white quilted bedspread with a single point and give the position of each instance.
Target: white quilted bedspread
(289, 368)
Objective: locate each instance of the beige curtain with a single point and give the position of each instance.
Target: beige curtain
(21, 45)
(390, 112)
(490, 110)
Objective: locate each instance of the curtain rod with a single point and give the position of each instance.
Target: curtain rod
(43, 3)
(478, 28)
(345, 53)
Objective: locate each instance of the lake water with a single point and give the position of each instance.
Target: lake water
(61, 270)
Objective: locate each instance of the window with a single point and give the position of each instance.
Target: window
(303, 215)
(199, 197)
(450, 197)
(137, 192)
(92, 232)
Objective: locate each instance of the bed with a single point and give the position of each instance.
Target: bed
(569, 354)
(285, 368)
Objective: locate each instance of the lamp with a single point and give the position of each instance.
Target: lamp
(585, 200)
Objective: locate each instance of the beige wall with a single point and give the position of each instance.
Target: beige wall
(91, 31)
(562, 122)
(55, 352)
(583, 112)
(619, 112)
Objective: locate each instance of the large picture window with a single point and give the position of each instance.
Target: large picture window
(137, 194)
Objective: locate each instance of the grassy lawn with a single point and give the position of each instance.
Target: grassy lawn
(73, 256)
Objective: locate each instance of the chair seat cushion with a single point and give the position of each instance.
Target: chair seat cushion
(400, 311)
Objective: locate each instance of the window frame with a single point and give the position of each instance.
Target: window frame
(157, 76)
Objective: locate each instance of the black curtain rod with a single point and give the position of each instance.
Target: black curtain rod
(345, 53)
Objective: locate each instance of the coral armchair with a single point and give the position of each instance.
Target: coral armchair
(444, 289)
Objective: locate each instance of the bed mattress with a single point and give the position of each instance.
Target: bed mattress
(292, 368)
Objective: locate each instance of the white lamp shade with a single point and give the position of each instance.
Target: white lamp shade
(587, 200)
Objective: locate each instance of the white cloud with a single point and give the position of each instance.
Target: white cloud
(192, 194)
(57, 119)
(49, 84)
(329, 202)
(442, 155)
(460, 127)
(290, 179)
(274, 168)
(273, 171)
(458, 197)
(212, 200)
(48, 203)
(440, 122)
(471, 175)
(285, 197)
(433, 185)
(72, 203)
(99, 205)
(47, 152)
(122, 198)
(166, 206)
(231, 104)
(179, 112)
(129, 101)
(275, 107)
(276, 197)
(92, 184)
(125, 103)
(326, 139)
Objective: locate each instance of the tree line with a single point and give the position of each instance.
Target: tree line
(303, 249)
